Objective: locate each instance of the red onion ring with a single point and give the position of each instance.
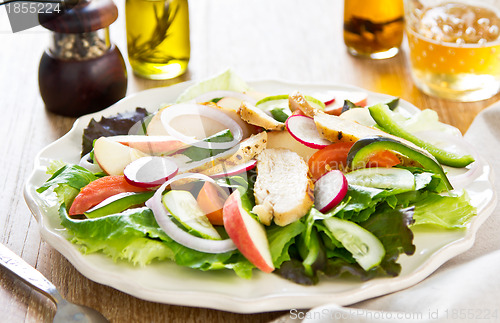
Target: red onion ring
(206, 97)
(473, 170)
(201, 110)
(177, 234)
(84, 162)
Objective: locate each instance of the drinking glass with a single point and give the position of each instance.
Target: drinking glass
(373, 29)
(454, 47)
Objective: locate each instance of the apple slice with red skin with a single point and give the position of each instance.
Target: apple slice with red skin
(247, 233)
(151, 145)
(113, 157)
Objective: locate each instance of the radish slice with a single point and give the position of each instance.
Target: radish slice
(150, 171)
(179, 235)
(84, 162)
(201, 110)
(304, 130)
(237, 169)
(329, 190)
(205, 97)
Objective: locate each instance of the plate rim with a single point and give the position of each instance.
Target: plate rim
(370, 289)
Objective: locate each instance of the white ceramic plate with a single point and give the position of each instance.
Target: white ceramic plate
(168, 283)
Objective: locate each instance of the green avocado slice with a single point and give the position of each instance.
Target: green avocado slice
(363, 149)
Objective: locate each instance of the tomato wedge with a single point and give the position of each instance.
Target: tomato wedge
(333, 156)
(211, 200)
(383, 158)
(97, 191)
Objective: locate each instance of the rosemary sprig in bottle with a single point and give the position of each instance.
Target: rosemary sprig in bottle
(147, 50)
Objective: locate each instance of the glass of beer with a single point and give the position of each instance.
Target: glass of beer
(158, 37)
(373, 29)
(454, 47)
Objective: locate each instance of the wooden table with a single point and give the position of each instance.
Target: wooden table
(293, 40)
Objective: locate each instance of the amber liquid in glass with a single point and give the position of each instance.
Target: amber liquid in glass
(455, 51)
(158, 37)
(373, 29)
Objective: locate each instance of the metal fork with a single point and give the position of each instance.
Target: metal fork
(65, 311)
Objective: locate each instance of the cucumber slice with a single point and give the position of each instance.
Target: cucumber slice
(365, 247)
(184, 208)
(385, 178)
(274, 101)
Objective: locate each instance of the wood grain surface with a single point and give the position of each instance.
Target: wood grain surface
(293, 40)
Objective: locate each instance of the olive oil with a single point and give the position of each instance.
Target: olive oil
(158, 37)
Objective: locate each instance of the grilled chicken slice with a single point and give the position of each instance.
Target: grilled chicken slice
(338, 129)
(257, 117)
(244, 152)
(283, 139)
(283, 189)
(297, 101)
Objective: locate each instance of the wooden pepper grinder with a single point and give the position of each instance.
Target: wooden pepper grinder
(81, 71)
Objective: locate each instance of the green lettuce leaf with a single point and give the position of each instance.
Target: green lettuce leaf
(135, 236)
(307, 255)
(312, 253)
(281, 238)
(449, 212)
(54, 166)
(67, 182)
(71, 175)
(295, 271)
(132, 235)
(391, 227)
(360, 202)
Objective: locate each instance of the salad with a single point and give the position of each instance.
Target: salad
(303, 185)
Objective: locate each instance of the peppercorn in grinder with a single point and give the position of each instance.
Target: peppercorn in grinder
(81, 71)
